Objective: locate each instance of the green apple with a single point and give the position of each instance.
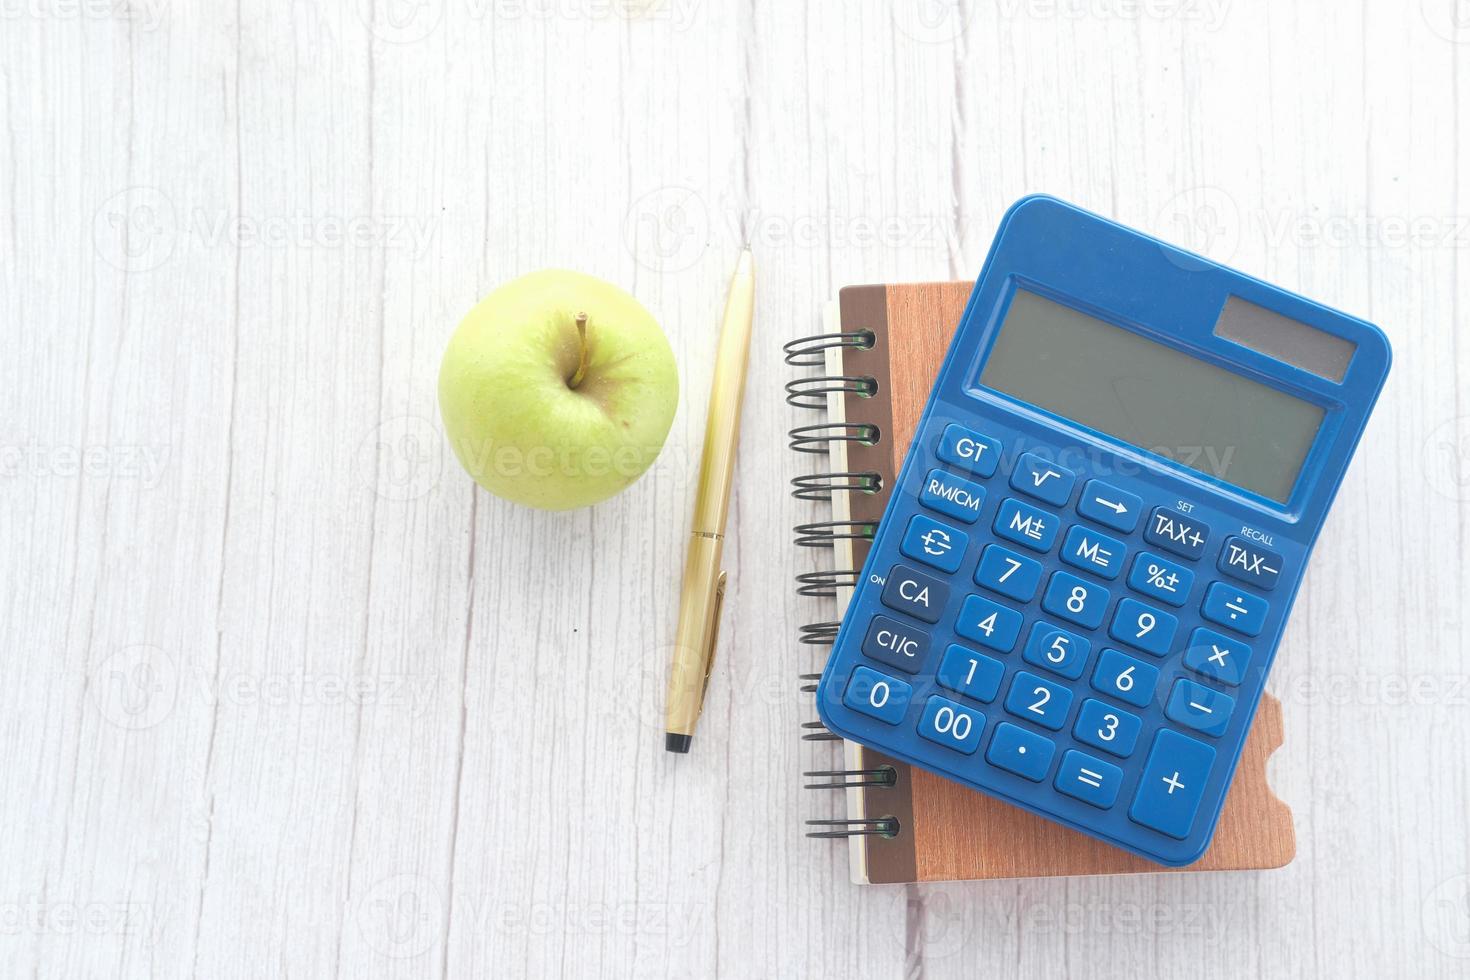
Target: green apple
(557, 390)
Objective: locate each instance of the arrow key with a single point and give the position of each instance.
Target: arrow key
(1110, 506)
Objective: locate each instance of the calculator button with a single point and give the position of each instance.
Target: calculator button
(877, 695)
(1199, 707)
(1026, 525)
(1119, 675)
(1106, 727)
(1003, 570)
(1043, 480)
(1250, 563)
(1161, 579)
(988, 623)
(1054, 649)
(1089, 780)
(933, 543)
(969, 449)
(1093, 552)
(972, 674)
(1172, 783)
(1231, 607)
(1038, 701)
(1072, 599)
(1217, 656)
(895, 644)
(909, 591)
(952, 725)
(1109, 506)
(953, 496)
(1024, 753)
(1141, 625)
(1176, 532)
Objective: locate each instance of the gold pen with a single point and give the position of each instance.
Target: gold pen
(703, 592)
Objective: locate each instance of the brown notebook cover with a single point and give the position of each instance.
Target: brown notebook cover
(947, 832)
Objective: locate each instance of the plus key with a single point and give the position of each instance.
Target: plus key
(1172, 784)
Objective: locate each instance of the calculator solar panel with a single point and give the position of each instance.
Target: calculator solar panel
(1080, 582)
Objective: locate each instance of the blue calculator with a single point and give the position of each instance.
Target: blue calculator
(1088, 559)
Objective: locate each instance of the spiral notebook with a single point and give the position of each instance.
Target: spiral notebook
(868, 375)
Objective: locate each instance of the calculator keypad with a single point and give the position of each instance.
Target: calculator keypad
(1026, 525)
(878, 695)
(1094, 552)
(934, 544)
(1217, 656)
(969, 673)
(1089, 780)
(1017, 750)
(952, 725)
(1075, 600)
(1140, 625)
(1008, 572)
(1172, 783)
(1201, 708)
(1045, 481)
(1176, 532)
(953, 496)
(1121, 676)
(1039, 701)
(921, 596)
(969, 450)
(989, 623)
(1250, 563)
(1110, 506)
(1235, 608)
(1108, 728)
(1104, 632)
(896, 644)
(1159, 578)
(1057, 650)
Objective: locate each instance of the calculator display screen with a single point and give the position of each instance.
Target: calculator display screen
(1152, 396)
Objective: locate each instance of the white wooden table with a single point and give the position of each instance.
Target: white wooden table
(284, 694)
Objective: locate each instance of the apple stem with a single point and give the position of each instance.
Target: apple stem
(582, 354)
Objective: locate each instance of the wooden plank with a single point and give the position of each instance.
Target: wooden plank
(232, 244)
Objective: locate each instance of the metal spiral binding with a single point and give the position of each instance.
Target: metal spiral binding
(825, 583)
(808, 351)
(823, 533)
(851, 778)
(872, 827)
(817, 438)
(821, 486)
(815, 731)
(812, 392)
(820, 634)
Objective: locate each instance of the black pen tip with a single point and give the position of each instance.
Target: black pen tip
(674, 742)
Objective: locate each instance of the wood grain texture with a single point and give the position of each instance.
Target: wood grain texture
(285, 695)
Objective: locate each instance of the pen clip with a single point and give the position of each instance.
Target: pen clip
(712, 638)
